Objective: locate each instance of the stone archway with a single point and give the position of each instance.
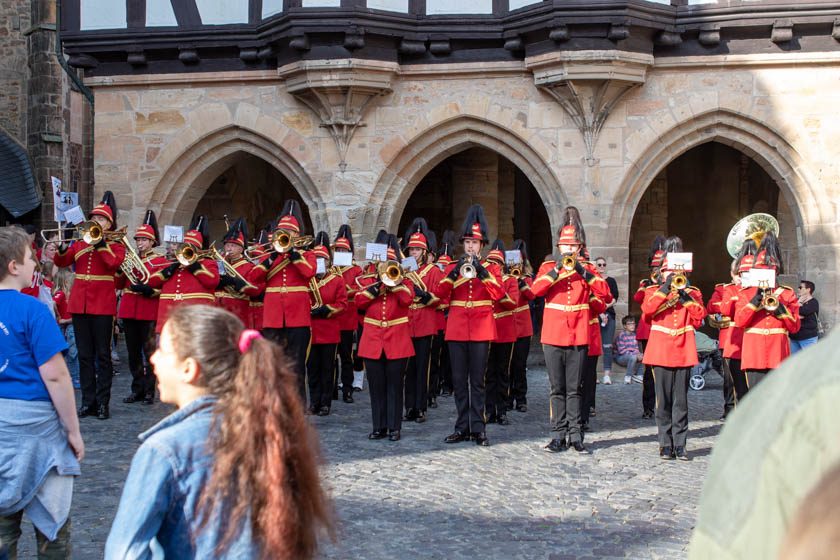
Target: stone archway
(428, 149)
(185, 181)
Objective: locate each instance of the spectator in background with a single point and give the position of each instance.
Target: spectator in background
(607, 319)
(40, 441)
(626, 351)
(809, 313)
(63, 283)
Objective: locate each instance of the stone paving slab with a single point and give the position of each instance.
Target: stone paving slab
(422, 498)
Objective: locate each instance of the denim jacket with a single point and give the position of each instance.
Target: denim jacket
(157, 516)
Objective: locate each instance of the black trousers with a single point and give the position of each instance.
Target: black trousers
(754, 376)
(358, 364)
(739, 378)
(565, 368)
(417, 374)
(435, 363)
(321, 373)
(729, 397)
(469, 363)
(518, 374)
(445, 368)
(587, 387)
(498, 379)
(345, 355)
(648, 391)
(672, 405)
(295, 342)
(385, 383)
(140, 343)
(93, 340)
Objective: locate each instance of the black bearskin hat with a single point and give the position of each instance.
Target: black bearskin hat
(571, 228)
(151, 221)
(344, 232)
(769, 252)
(290, 217)
(475, 225)
(447, 244)
(418, 225)
(199, 224)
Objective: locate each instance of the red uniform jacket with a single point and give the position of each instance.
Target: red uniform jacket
(730, 337)
(504, 309)
(185, 288)
(522, 313)
(386, 322)
(239, 303)
(596, 307)
(766, 341)
(470, 305)
(333, 292)
(349, 318)
(93, 290)
(423, 319)
(286, 302)
(672, 323)
(566, 316)
(137, 306)
(61, 311)
(643, 327)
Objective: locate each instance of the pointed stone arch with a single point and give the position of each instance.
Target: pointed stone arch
(187, 179)
(760, 142)
(422, 153)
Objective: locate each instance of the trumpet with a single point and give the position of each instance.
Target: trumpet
(769, 301)
(390, 273)
(282, 241)
(188, 255)
(516, 271)
(468, 270)
(568, 263)
(679, 281)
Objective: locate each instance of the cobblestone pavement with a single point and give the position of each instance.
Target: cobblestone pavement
(421, 498)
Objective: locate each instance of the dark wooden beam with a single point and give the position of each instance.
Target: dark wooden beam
(186, 12)
(254, 11)
(135, 11)
(71, 15)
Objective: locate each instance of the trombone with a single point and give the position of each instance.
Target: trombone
(188, 255)
(90, 232)
(230, 270)
(390, 273)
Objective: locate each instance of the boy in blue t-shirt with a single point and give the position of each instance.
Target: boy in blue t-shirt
(40, 440)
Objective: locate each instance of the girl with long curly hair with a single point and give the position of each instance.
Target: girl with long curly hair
(233, 473)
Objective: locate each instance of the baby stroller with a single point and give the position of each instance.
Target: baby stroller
(710, 358)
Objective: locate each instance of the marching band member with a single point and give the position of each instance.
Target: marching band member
(385, 345)
(594, 350)
(186, 283)
(673, 312)
(441, 377)
(348, 321)
(286, 317)
(498, 366)
(517, 397)
(93, 304)
(138, 311)
(470, 289)
(766, 325)
(258, 254)
(422, 321)
(567, 285)
(434, 350)
(655, 257)
(329, 301)
(232, 293)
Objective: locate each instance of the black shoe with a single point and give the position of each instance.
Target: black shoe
(378, 434)
(433, 402)
(481, 439)
(87, 411)
(132, 398)
(348, 398)
(522, 407)
(579, 447)
(647, 414)
(357, 389)
(492, 419)
(456, 437)
(410, 414)
(149, 399)
(680, 453)
(394, 435)
(421, 417)
(502, 420)
(666, 453)
(103, 413)
(324, 411)
(556, 446)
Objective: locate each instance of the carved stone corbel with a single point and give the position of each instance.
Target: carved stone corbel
(588, 84)
(339, 92)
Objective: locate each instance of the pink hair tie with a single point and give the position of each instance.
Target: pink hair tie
(246, 338)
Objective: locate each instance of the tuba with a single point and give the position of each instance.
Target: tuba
(753, 226)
